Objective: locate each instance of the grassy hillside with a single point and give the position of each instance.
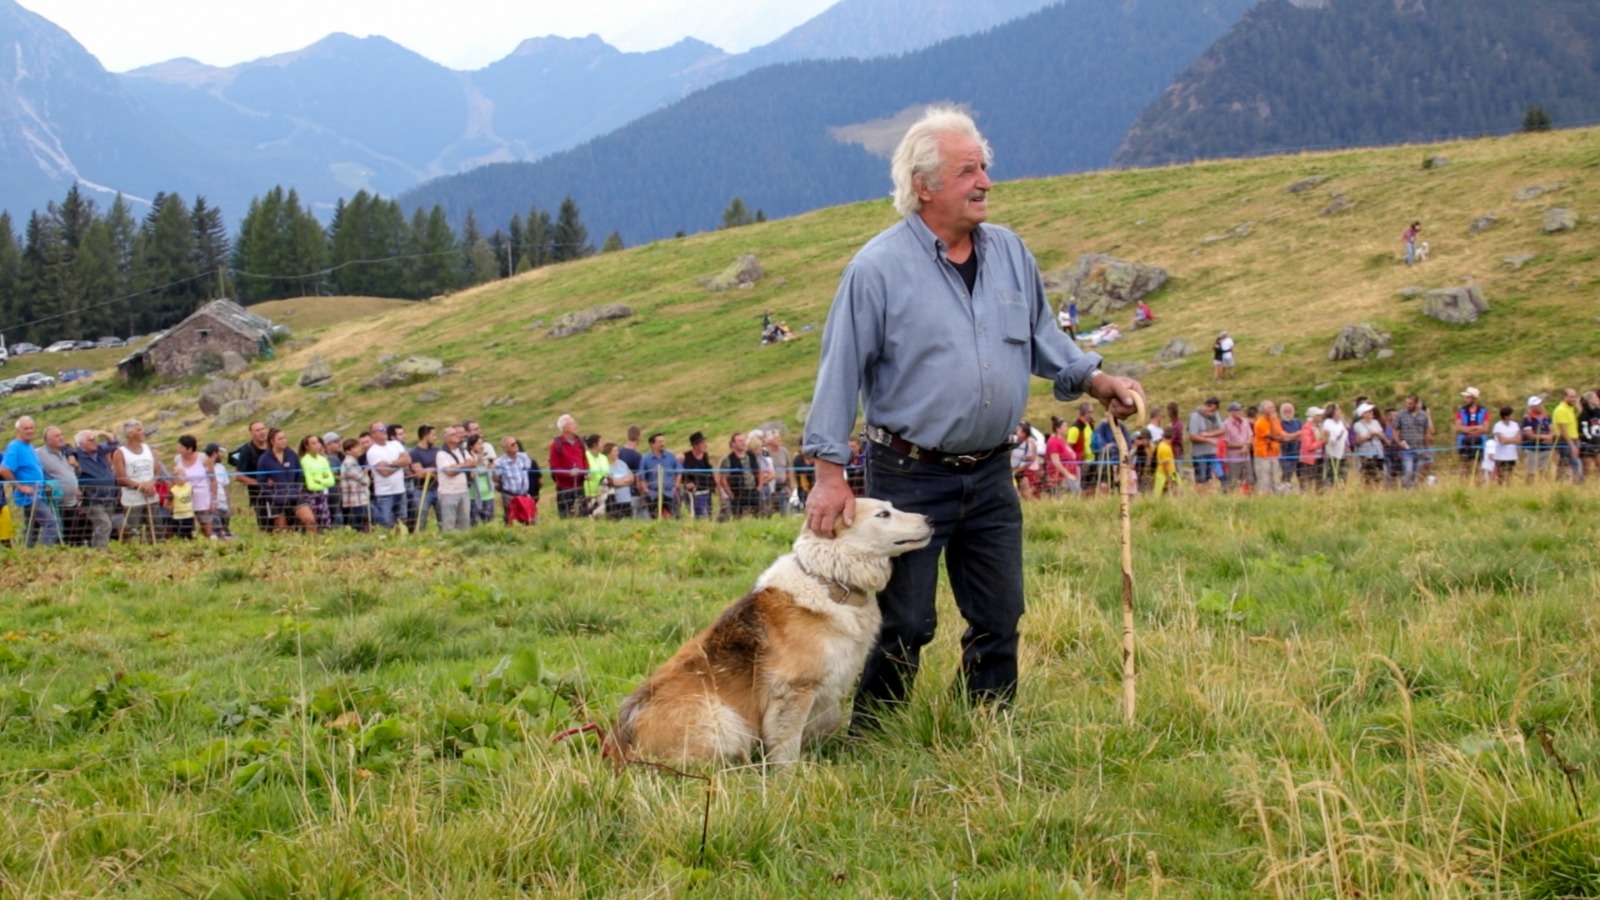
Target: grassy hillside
(689, 358)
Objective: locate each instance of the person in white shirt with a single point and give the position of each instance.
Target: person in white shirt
(388, 460)
(1507, 436)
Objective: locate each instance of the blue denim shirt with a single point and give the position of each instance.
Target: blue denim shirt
(941, 368)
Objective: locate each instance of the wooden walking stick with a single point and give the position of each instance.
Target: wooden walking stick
(1130, 689)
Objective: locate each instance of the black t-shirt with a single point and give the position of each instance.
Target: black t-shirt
(693, 466)
(740, 469)
(428, 457)
(1589, 428)
(630, 456)
(246, 460)
(968, 270)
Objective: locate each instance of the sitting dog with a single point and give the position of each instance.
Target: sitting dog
(1422, 251)
(774, 667)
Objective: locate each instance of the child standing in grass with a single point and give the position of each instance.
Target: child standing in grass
(182, 508)
(1166, 466)
(1507, 435)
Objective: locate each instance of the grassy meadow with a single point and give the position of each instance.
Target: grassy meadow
(1343, 696)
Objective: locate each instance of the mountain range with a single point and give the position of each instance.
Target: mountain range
(347, 113)
(1054, 91)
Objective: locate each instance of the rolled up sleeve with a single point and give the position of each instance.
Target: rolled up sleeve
(1056, 356)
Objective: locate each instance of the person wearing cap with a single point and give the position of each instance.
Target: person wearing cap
(333, 449)
(1367, 435)
(1238, 438)
(699, 479)
(936, 328)
(221, 509)
(1414, 430)
(1205, 440)
(1535, 437)
(1564, 425)
(1472, 423)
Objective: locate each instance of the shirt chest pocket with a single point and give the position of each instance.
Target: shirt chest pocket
(1016, 325)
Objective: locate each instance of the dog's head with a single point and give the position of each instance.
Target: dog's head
(858, 554)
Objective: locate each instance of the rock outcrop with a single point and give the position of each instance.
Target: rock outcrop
(410, 370)
(219, 392)
(1458, 306)
(578, 322)
(1102, 283)
(743, 273)
(1358, 342)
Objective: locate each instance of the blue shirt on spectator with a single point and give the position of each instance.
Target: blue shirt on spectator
(22, 461)
(652, 469)
(96, 479)
(952, 373)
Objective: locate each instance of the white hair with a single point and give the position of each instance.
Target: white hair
(82, 436)
(24, 420)
(918, 155)
(561, 423)
(130, 425)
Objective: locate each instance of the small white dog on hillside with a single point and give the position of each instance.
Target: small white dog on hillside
(775, 667)
(1422, 251)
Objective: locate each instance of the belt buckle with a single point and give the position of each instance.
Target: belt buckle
(968, 459)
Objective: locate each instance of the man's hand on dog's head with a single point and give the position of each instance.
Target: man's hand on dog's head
(831, 501)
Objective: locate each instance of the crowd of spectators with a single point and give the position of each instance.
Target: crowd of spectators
(1269, 448)
(102, 486)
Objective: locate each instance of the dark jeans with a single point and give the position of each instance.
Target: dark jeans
(568, 500)
(977, 520)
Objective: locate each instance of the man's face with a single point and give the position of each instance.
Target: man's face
(88, 443)
(1211, 409)
(658, 445)
(363, 444)
(258, 433)
(774, 440)
(400, 434)
(26, 429)
(1571, 396)
(452, 438)
(136, 434)
(570, 428)
(738, 443)
(1411, 404)
(960, 203)
(473, 429)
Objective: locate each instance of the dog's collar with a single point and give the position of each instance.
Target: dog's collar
(838, 591)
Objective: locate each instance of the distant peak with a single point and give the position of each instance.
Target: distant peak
(551, 42)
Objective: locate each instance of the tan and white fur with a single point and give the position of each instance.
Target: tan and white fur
(774, 668)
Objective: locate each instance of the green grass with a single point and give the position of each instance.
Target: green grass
(1338, 697)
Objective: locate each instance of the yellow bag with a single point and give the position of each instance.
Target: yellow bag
(7, 530)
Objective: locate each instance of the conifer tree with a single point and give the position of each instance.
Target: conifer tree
(613, 242)
(569, 239)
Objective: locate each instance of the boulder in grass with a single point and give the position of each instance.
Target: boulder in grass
(235, 411)
(218, 392)
(233, 363)
(1558, 220)
(744, 272)
(1102, 283)
(410, 370)
(1458, 306)
(316, 373)
(1482, 223)
(1357, 342)
(1177, 348)
(569, 324)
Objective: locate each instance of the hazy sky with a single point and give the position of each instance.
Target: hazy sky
(462, 34)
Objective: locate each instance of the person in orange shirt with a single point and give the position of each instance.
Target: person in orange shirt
(1268, 435)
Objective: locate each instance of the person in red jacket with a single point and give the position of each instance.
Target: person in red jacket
(569, 466)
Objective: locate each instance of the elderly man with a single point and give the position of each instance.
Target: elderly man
(936, 326)
(137, 470)
(56, 460)
(97, 483)
(388, 460)
(31, 493)
(1238, 438)
(569, 466)
(1536, 439)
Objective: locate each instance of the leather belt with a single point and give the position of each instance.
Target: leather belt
(885, 438)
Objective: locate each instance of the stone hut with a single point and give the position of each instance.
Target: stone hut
(196, 344)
